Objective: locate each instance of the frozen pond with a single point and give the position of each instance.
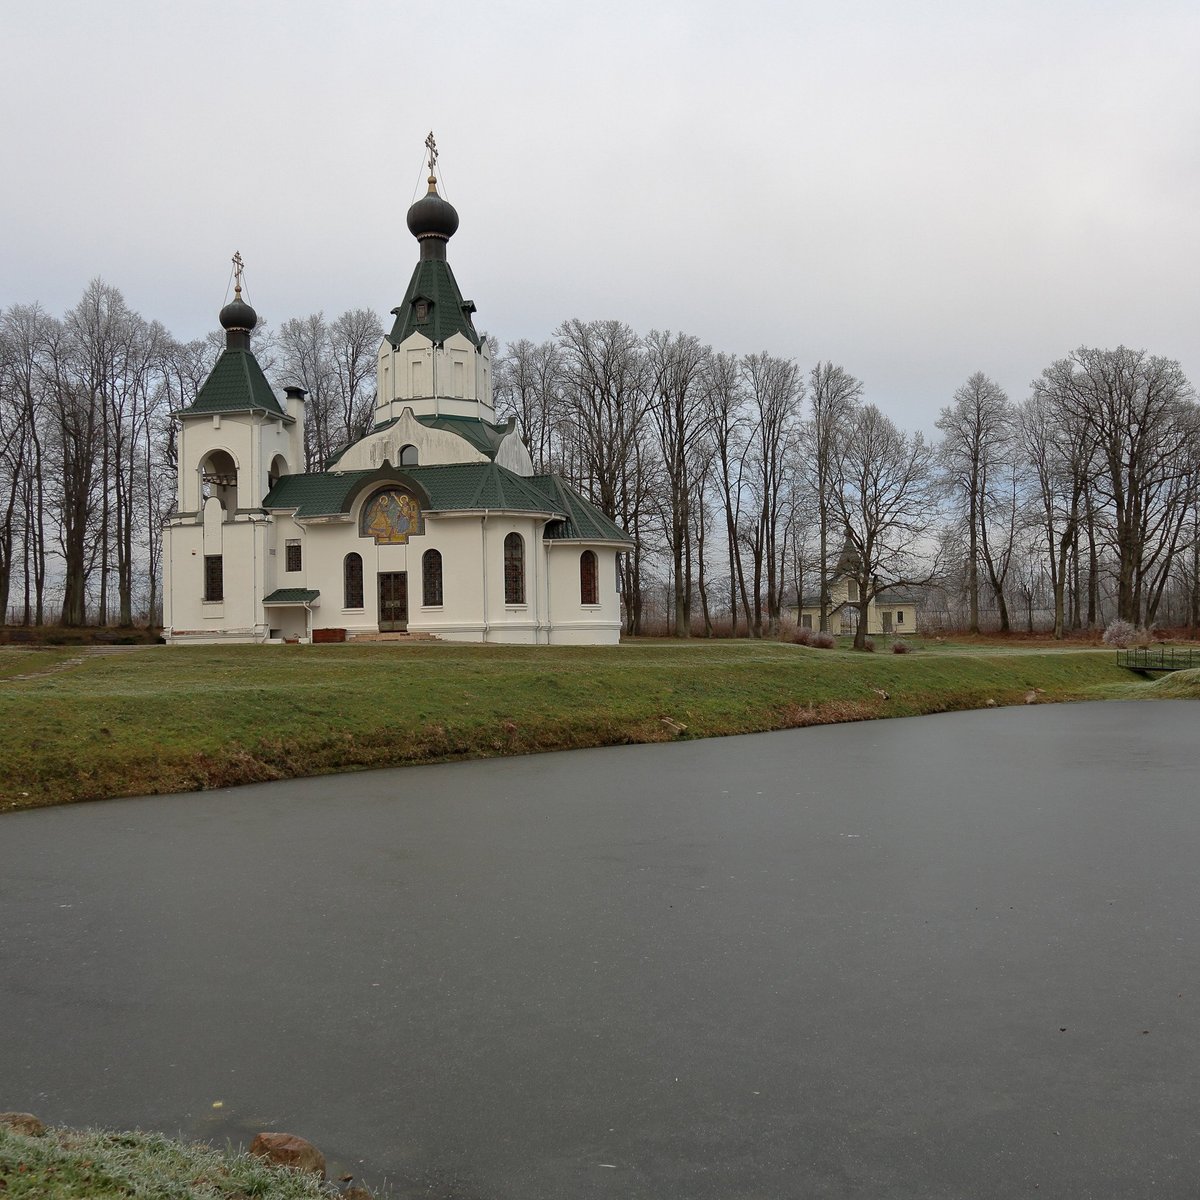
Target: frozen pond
(944, 957)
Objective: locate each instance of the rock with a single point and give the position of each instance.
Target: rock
(355, 1193)
(1031, 696)
(990, 702)
(25, 1123)
(288, 1150)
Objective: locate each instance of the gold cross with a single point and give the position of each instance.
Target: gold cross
(238, 267)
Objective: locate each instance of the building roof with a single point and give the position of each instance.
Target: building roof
(236, 384)
(813, 600)
(291, 596)
(450, 487)
(583, 521)
(446, 314)
(454, 487)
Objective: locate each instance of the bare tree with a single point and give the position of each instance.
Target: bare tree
(1057, 448)
(306, 359)
(977, 433)
(1137, 411)
(729, 431)
(775, 390)
(834, 395)
(677, 370)
(529, 381)
(886, 501)
(353, 340)
(604, 367)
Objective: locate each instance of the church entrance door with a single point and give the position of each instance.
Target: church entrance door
(393, 601)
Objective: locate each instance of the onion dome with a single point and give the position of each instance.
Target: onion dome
(237, 315)
(432, 217)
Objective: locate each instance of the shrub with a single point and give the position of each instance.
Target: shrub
(869, 645)
(802, 637)
(1120, 634)
(900, 646)
(823, 640)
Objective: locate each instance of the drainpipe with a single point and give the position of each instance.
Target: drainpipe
(483, 551)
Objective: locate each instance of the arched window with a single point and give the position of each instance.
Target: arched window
(589, 578)
(276, 471)
(409, 456)
(514, 569)
(431, 578)
(353, 578)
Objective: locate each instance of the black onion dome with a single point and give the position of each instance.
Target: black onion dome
(432, 217)
(237, 314)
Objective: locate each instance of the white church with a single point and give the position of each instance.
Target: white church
(433, 523)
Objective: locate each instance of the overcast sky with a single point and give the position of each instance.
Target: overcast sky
(914, 190)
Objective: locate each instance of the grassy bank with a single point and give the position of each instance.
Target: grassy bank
(167, 719)
(67, 1164)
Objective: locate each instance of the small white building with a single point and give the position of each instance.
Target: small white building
(433, 523)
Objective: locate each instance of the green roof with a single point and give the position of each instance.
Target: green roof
(291, 596)
(484, 436)
(235, 384)
(454, 486)
(447, 314)
(583, 520)
(449, 488)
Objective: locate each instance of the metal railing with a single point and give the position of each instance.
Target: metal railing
(1158, 658)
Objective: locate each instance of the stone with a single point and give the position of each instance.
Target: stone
(288, 1150)
(25, 1123)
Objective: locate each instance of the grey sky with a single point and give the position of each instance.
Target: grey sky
(915, 190)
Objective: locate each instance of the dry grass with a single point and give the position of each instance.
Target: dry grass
(184, 718)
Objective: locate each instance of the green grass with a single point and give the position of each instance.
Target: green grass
(175, 719)
(65, 1164)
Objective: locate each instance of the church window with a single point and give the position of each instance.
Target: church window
(292, 556)
(899, 616)
(422, 311)
(409, 457)
(589, 578)
(458, 377)
(276, 471)
(431, 578)
(352, 572)
(514, 569)
(214, 577)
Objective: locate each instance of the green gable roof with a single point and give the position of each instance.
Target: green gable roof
(235, 384)
(454, 487)
(434, 282)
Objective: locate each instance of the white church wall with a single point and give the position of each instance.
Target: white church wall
(241, 546)
(572, 621)
(454, 379)
(514, 455)
(433, 446)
